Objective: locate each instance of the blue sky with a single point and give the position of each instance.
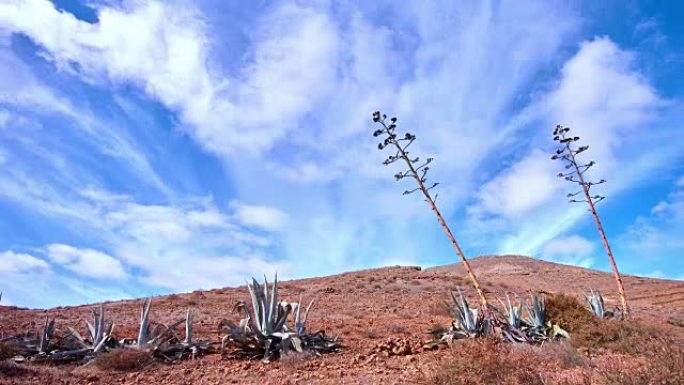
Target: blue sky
(149, 147)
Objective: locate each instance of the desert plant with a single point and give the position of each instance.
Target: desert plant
(175, 348)
(597, 306)
(570, 314)
(512, 313)
(264, 332)
(99, 334)
(576, 174)
(419, 174)
(46, 336)
(468, 322)
(536, 327)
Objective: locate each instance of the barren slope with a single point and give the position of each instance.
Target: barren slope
(365, 307)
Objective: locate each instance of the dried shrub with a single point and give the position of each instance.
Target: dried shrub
(676, 321)
(439, 309)
(10, 369)
(661, 363)
(632, 337)
(123, 360)
(8, 350)
(489, 361)
(295, 358)
(563, 353)
(369, 334)
(569, 313)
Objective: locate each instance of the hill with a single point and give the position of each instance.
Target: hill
(381, 314)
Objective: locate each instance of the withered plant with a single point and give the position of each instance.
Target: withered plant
(575, 173)
(418, 171)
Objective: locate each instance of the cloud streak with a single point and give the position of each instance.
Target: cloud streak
(167, 153)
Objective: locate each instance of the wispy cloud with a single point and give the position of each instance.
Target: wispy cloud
(113, 154)
(609, 104)
(572, 250)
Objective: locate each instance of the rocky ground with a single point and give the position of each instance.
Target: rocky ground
(382, 316)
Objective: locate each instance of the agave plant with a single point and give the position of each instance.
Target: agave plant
(513, 313)
(46, 345)
(468, 322)
(171, 347)
(597, 306)
(533, 328)
(32, 344)
(264, 330)
(100, 336)
(46, 336)
(150, 338)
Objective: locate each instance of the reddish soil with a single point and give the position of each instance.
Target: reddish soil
(381, 314)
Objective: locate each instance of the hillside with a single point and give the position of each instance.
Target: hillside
(372, 310)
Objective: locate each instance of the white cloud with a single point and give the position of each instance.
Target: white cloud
(268, 218)
(659, 234)
(603, 97)
(300, 95)
(164, 49)
(11, 263)
(572, 250)
(527, 184)
(86, 262)
(607, 102)
(4, 118)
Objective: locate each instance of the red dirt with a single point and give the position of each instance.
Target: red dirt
(381, 314)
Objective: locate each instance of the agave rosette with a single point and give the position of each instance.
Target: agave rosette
(264, 331)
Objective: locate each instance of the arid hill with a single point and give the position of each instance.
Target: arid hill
(381, 314)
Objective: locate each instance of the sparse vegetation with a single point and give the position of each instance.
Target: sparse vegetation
(510, 326)
(123, 360)
(488, 361)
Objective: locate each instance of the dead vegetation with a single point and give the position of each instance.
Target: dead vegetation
(123, 360)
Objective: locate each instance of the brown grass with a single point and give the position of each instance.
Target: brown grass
(632, 337)
(123, 360)
(569, 313)
(488, 361)
(7, 350)
(621, 352)
(10, 369)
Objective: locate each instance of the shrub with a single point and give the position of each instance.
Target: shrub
(488, 361)
(8, 350)
(569, 313)
(662, 362)
(123, 360)
(629, 337)
(10, 369)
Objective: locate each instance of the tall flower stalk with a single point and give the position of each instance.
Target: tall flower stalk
(576, 174)
(419, 174)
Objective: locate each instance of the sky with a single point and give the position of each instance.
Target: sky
(153, 147)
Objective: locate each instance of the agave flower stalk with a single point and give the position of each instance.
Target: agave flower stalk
(567, 153)
(419, 174)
